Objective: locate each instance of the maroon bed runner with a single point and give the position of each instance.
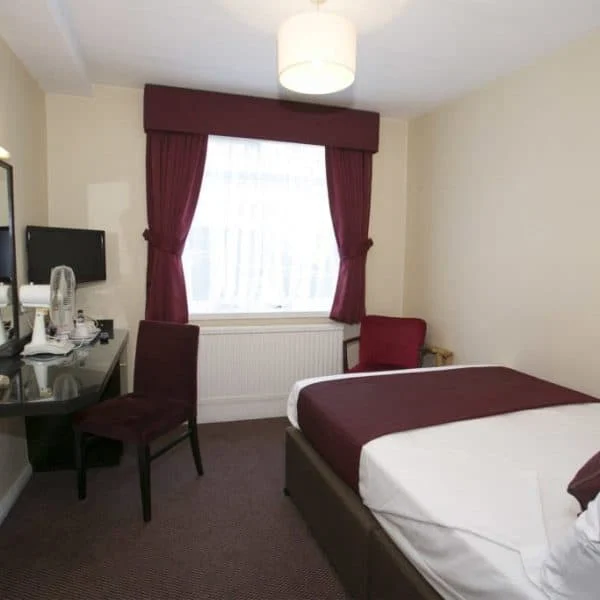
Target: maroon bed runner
(338, 417)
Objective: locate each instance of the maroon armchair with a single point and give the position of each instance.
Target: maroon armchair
(164, 396)
(387, 343)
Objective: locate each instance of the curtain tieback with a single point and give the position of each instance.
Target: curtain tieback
(158, 244)
(361, 252)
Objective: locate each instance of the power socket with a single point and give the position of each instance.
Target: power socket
(106, 325)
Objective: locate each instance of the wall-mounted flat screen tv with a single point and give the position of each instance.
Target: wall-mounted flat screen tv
(81, 249)
(6, 254)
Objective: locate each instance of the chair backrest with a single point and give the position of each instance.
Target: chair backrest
(391, 341)
(166, 361)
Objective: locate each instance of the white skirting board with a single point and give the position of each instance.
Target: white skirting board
(240, 408)
(246, 372)
(9, 499)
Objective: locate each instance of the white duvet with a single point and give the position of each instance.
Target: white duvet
(476, 504)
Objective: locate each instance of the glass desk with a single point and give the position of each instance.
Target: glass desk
(47, 391)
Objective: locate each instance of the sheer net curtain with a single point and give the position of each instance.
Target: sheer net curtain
(262, 239)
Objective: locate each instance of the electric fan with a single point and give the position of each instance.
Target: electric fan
(62, 300)
(40, 297)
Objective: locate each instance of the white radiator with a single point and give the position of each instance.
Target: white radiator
(246, 372)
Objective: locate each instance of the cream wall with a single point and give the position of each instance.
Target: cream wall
(22, 132)
(96, 166)
(96, 179)
(503, 249)
(385, 261)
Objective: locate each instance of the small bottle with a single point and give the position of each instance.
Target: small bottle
(80, 328)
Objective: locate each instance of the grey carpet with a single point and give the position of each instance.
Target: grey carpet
(230, 534)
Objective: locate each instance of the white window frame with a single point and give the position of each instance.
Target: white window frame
(246, 316)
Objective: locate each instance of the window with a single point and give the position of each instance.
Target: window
(262, 240)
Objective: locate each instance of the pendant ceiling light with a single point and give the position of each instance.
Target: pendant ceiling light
(316, 52)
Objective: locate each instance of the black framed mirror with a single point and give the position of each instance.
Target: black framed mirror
(9, 314)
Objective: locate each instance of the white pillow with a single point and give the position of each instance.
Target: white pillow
(572, 567)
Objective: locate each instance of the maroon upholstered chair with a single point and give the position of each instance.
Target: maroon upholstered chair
(164, 396)
(387, 343)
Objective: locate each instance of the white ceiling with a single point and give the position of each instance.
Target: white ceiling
(412, 54)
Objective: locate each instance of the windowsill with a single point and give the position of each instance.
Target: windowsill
(319, 316)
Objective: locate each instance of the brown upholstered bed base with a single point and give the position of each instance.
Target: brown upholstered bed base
(367, 562)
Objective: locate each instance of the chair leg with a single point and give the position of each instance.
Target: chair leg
(80, 465)
(144, 469)
(193, 429)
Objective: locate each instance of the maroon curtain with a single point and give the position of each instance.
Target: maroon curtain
(174, 169)
(196, 111)
(349, 185)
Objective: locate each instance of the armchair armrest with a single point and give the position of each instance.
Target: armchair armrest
(442, 355)
(346, 343)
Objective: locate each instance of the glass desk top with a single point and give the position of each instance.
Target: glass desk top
(59, 385)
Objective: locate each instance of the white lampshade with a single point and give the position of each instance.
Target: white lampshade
(4, 153)
(316, 53)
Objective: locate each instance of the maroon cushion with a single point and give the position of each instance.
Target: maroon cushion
(133, 418)
(391, 341)
(586, 483)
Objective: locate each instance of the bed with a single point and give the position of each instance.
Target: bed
(465, 523)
